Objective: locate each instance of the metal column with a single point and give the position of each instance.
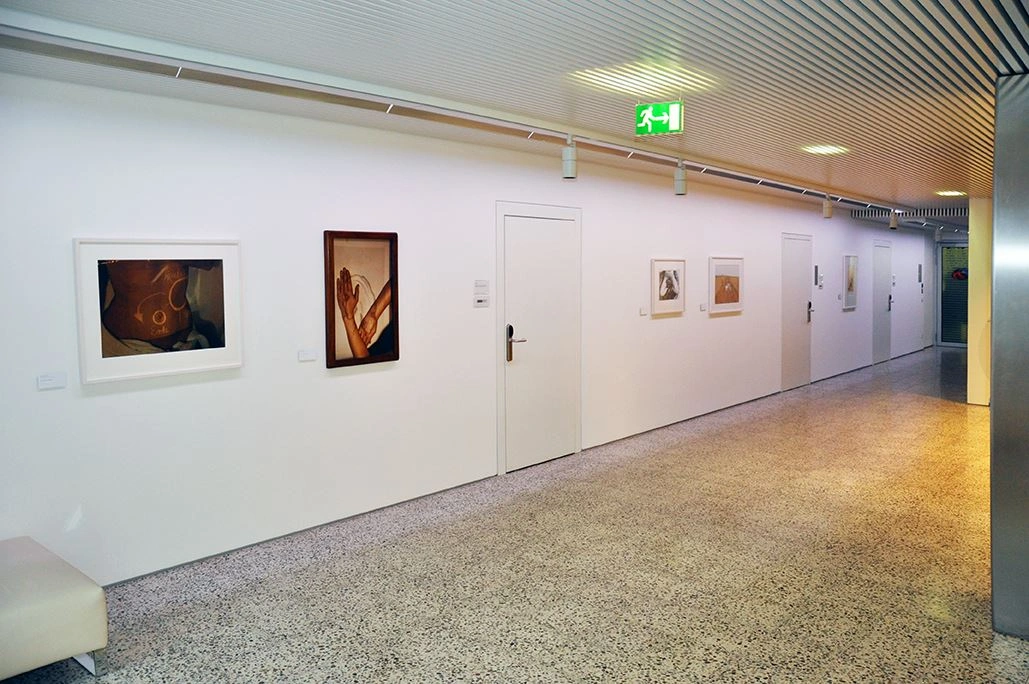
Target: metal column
(1009, 459)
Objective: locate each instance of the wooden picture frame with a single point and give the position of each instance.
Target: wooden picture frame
(725, 285)
(156, 307)
(850, 272)
(361, 275)
(667, 286)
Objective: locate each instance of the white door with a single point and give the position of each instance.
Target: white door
(540, 336)
(797, 281)
(882, 303)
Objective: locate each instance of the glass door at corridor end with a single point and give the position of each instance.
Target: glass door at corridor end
(952, 306)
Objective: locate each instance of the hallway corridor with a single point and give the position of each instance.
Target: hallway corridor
(837, 532)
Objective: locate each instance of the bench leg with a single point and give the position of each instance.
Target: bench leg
(89, 661)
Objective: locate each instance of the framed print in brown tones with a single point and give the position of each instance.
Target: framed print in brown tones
(850, 264)
(725, 285)
(156, 307)
(361, 313)
(667, 283)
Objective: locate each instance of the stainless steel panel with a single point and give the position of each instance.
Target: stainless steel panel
(1009, 460)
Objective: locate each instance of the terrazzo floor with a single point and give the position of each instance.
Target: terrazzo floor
(834, 533)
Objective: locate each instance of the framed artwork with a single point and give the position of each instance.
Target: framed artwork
(361, 319)
(156, 307)
(725, 285)
(849, 282)
(667, 286)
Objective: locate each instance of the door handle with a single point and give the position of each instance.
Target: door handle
(889, 304)
(809, 312)
(511, 341)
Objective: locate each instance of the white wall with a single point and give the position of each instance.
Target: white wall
(980, 299)
(131, 477)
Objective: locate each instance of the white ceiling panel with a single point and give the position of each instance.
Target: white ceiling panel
(906, 87)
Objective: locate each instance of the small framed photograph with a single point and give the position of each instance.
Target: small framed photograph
(667, 286)
(725, 285)
(156, 307)
(361, 313)
(850, 282)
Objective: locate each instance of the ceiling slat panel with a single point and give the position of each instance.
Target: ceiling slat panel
(907, 85)
(820, 85)
(944, 38)
(967, 35)
(876, 96)
(914, 58)
(871, 81)
(1010, 36)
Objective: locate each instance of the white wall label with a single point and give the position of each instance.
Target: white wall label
(52, 381)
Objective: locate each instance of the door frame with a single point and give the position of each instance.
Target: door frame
(534, 211)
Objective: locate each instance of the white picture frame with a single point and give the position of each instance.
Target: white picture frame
(850, 272)
(667, 286)
(189, 289)
(725, 285)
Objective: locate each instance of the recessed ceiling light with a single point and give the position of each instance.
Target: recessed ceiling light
(825, 149)
(647, 78)
(951, 193)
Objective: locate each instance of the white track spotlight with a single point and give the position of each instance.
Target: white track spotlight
(680, 179)
(826, 207)
(568, 160)
(894, 222)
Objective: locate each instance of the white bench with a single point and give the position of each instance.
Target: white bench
(49, 611)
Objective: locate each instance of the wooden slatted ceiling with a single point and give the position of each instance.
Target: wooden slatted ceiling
(907, 86)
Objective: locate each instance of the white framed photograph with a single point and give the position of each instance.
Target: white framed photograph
(667, 286)
(156, 307)
(725, 285)
(850, 264)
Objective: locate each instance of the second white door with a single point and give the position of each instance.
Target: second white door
(797, 280)
(882, 303)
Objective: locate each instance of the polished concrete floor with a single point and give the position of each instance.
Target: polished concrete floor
(838, 532)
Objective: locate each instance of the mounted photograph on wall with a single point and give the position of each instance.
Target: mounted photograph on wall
(725, 285)
(156, 307)
(667, 286)
(849, 282)
(361, 321)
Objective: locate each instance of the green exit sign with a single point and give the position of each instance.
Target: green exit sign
(659, 118)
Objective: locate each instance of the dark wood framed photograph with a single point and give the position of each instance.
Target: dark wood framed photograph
(361, 313)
